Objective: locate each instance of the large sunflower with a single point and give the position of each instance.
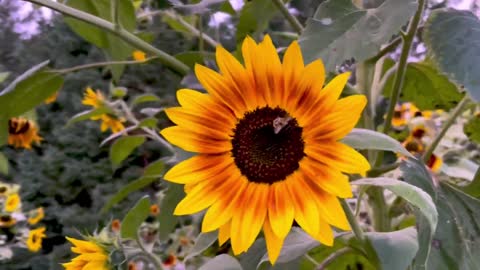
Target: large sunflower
(267, 134)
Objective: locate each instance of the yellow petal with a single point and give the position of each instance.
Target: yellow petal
(198, 168)
(194, 142)
(292, 69)
(224, 233)
(280, 212)
(328, 179)
(274, 243)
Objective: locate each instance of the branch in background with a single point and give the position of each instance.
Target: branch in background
(128, 37)
(291, 19)
(100, 64)
(387, 49)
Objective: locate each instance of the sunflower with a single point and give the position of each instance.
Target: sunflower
(35, 237)
(91, 256)
(36, 216)
(7, 221)
(22, 133)
(96, 100)
(12, 203)
(267, 135)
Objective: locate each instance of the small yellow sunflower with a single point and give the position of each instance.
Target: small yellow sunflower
(36, 216)
(12, 203)
(51, 98)
(435, 163)
(7, 221)
(93, 98)
(139, 56)
(267, 134)
(91, 256)
(35, 238)
(22, 133)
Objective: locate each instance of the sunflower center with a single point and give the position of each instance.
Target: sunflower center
(16, 127)
(267, 145)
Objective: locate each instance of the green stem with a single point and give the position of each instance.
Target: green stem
(388, 48)
(172, 15)
(100, 64)
(151, 256)
(381, 222)
(402, 64)
(116, 20)
(456, 112)
(332, 257)
(128, 37)
(352, 221)
(296, 25)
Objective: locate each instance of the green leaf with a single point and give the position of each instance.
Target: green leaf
(203, 241)
(29, 90)
(123, 147)
(296, 244)
(4, 76)
(254, 18)
(395, 250)
(3, 130)
(199, 8)
(222, 262)
(85, 115)
(127, 190)
(459, 167)
(115, 48)
(472, 129)
(191, 58)
(473, 189)
(167, 220)
(135, 218)
(425, 86)
(145, 98)
(155, 169)
(340, 31)
(452, 38)
(150, 122)
(368, 139)
(455, 244)
(3, 164)
(412, 194)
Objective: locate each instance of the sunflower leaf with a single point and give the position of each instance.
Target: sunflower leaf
(368, 139)
(222, 262)
(203, 241)
(167, 220)
(123, 147)
(453, 41)
(254, 18)
(3, 164)
(134, 218)
(341, 31)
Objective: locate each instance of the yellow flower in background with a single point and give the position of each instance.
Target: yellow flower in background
(12, 203)
(36, 216)
(434, 163)
(139, 56)
(267, 135)
(91, 256)
(93, 98)
(35, 238)
(7, 221)
(22, 133)
(51, 98)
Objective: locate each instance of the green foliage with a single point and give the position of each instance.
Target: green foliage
(144, 98)
(166, 218)
(3, 164)
(254, 18)
(341, 31)
(123, 147)
(203, 241)
(4, 76)
(453, 41)
(222, 262)
(425, 87)
(472, 129)
(115, 48)
(86, 115)
(135, 218)
(368, 139)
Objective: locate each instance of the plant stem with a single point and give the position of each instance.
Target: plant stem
(388, 48)
(116, 20)
(352, 220)
(151, 256)
(402, 64)
(379, 209)
(172, 15)
(128, 37)
(456, 112)
(296, 25)
(332, 257)
(100, 64)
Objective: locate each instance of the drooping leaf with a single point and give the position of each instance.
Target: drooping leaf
(154, 169)
(368, 139)
(426, 87)
(452, 38)
(123, 147)
(395, 250)
(472, 129)
(193, 57)
(3, 164)
(222, 262)
(127, 190)
(341, 31)
(134, 218)
(203, 241)
(145, 98)
(115, 48)
(254, 18)
(150, 122)
(29, 90)
(167, 220)
(455, 244)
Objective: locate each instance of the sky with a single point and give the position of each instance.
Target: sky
(29, 29)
